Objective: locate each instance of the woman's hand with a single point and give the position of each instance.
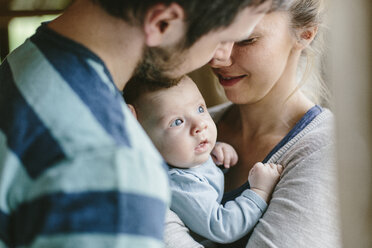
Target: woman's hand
(224, 154)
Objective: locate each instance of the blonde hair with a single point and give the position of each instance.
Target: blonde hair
(310, 73)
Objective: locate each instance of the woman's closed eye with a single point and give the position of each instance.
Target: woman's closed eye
(246, 42)
(176, 123)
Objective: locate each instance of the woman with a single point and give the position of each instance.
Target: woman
(270, 119)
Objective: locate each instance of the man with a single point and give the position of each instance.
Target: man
(76, 170)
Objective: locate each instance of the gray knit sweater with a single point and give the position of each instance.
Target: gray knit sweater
(303, 211)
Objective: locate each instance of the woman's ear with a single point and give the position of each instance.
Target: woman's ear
(133, 110)
(164, 24)
(305, 36)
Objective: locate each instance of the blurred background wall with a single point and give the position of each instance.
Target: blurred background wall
(351, 76)
(20, 18)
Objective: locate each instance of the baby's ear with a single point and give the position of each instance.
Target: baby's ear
(133, 110)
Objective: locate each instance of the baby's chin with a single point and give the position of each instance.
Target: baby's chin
(193, 163)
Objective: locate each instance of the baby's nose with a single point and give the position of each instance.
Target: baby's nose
(199, 127)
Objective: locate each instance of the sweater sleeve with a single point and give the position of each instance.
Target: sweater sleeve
(176, 234)
(196, 203)
(303, 208)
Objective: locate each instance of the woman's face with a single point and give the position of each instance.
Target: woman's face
(262, 65)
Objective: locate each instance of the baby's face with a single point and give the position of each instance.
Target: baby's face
(177, 121)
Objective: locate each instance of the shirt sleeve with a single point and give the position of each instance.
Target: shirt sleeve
(195, 201)
(76, 168)
(303, 209)
(98, 199)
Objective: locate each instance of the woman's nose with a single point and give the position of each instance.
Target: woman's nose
(222, 56)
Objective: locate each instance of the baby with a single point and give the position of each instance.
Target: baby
(177, 121)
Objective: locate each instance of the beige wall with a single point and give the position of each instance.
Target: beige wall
(208, 86)
(351, 65)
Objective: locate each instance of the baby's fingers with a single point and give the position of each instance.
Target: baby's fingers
(280, 168)
(272, 166)
(227, 160)
(217, 156)
(234, 158)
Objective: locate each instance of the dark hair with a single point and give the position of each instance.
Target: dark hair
(137, 86)
(202, 16)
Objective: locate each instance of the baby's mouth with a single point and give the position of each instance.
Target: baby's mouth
(202, 147)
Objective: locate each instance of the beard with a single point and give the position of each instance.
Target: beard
(157, 63)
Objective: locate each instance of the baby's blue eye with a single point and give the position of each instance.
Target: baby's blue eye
(176, 122)
(201, 109)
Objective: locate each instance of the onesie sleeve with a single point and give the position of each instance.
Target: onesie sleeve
(196, 202)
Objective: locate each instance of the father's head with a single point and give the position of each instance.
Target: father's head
(183, 35)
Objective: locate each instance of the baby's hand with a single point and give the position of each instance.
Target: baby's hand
(263, 178)
(225, 154)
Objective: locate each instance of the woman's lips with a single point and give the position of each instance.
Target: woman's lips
(229, 81)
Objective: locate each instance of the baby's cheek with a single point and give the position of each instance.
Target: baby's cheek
(177, 155)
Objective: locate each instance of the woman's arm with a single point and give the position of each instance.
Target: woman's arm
(176, 234)
(303, 210)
